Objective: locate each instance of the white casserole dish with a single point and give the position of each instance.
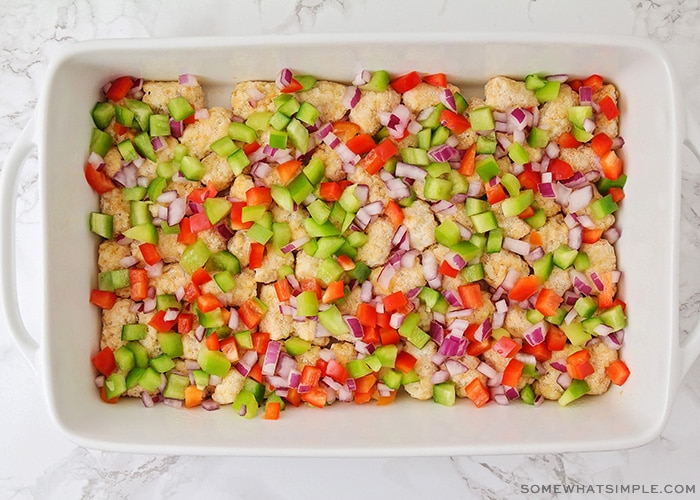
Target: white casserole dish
(653, 125)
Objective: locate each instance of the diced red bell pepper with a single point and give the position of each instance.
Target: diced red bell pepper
(560, 169)
(207, 302)
(103, 298)
(119, 88)
(406, 82)
(436, 79)
(455, 122)
(257, 253)
(185, 322)
(150, 253)
(237, 216)
(330, 191)
(377, 157)
(251, 313)
(159, 322)
(98, 180)
(138, 288)
(361, 144)
(104, 361)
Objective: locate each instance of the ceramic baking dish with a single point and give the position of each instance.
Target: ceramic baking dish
(653, 125)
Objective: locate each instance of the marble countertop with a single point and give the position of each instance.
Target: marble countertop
(37, 461)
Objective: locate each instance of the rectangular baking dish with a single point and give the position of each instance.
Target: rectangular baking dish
(654, 128)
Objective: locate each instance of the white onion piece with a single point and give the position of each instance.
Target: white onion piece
(516, 246)
(580, 198)
(439, 377)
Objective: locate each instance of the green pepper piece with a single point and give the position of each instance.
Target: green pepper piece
(102, 114)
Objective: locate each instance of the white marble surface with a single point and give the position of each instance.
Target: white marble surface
(37, 461)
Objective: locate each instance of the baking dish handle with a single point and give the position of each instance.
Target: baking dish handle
(690, 348)
(9, 303)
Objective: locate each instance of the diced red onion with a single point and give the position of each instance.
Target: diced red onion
(260, 169)
(351, 97)
(398, 190)
(362, 78)
(410, 171)
(126, 176)
(128, 261)
(187, 80)
(453, 298)
(562, 194)
(534, 335)
(355, 326)
(509, 281)
(447, 98)
(439, 377)
(147, 400)
(201, 114)
(499, 318)
(430, 265)
(564, 380)
(580, 282)
(455, 260)
(612, 235)
(546, 189)
(437, 331)
(571, 220)
(570, 316)
(284, 78)
(443, 152)
(155, 270)
(462, 312)
(585, 95)
(516, 246)
(464, 232)
(171, 314)
(449, 346)
(558, 365)
(589, 125)
(176, 128)
(408, 259)
(614, 340)
(474, 188)
(366, 291)
(552, 150)
(575, 181)
(528, 359)
(597, 282)
(483, 331)
(617, 142)
(535, 254)
(95, 160)
(210, 405)
(99, 381)
(443, 207)
(585, 221)
(559, 77)
(167, 196)
(454, 367)
(575, 238)
(580, 198)
(295, 245)
(487, 370)
(511, 393)
(272, 354)
(149, 305)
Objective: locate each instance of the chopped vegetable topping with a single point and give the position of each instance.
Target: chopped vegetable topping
(320, 242)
